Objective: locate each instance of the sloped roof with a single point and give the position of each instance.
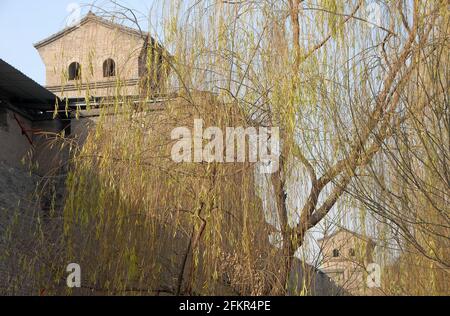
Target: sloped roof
(88, 18)
(343, 229)
(23, 91)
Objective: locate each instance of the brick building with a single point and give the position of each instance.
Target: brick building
(99, 58)
(346, 257)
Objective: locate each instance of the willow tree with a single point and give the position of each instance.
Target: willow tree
(408, 187)
(330, 78)
(342, 88)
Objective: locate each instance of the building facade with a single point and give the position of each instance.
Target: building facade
(98, 58)
(346, 257)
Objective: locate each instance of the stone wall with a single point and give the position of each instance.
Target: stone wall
(17, 227)
(25, 143)
(27, 243)
(14, 145)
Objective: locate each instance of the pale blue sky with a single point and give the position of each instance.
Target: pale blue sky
(24, 22)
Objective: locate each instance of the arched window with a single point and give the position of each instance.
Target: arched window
(109, 68)
(74, 71)
(336, 253)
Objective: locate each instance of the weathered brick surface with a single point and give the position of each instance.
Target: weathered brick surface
(17, 205)
(90, 45)
(30, 232)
